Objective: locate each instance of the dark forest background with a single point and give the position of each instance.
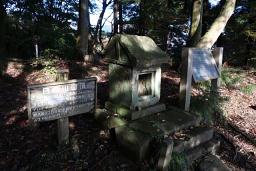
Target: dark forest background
(24, 22)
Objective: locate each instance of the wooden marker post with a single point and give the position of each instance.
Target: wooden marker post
(200, 64)
(186, 79)
(61, 99)
(62, 123)
(218, 57)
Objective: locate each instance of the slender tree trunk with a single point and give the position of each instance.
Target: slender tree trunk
(211, 36)
(115, 16)
(2, 26)
(99, 23)
(90, 40)
(196, 23)
(120, 17)
(82, 40)
(141, 19)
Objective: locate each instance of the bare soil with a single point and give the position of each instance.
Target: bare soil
(25, 146)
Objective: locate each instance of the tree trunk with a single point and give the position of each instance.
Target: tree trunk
(115, 16)
(141, 18)
(120, 17)
(82, 39)
(196, 23)
(211, 36)
(99, 23)
(2, 27)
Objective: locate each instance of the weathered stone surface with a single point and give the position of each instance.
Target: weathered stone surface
(119, 109)
(195, 153)
(134, 143)
(159, 107)
(172, 120)
(212, 163)
(194, 137)
(120, 87)
(134, 114)
(108, 121)
(139, 51)
(146, 127)
(165, 155)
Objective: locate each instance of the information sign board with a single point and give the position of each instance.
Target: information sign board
(204, 66)
(61, 99)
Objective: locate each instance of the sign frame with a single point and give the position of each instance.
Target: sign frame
(186, 74)
(29, 87)
(208, 58)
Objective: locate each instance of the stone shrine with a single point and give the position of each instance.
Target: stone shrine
(134, 75)
(134, 114)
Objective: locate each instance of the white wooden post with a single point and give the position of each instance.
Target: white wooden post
(218, 57)
(186, 79)
(36, 49)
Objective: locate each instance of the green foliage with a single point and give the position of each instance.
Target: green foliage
(208, 103)
(47, 64)
(178, 162)
(230, 77)
(248, 89)
(47, 23)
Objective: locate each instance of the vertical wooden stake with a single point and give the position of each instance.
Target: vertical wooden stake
(186, 79)
(62, 124)
(218, 56)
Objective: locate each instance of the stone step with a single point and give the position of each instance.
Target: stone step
(134, 114)
(134, 144)
(212, 163)
(208, 147)
(135, 136)
(165, 123)
(191, 138)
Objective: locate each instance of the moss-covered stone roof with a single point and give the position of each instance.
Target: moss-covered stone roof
(135, 51)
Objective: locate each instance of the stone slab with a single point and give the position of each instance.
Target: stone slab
(119, 109)
(172, 120)
(203, 149)
(193, 138)
(134, 143)
(134, 114)
(108, 121)
(212, 163)
(159, 107)
(146, 127)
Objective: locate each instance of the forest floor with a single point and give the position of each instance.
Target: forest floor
(25, 146)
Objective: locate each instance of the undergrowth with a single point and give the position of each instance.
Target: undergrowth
(208, 104)
(230, 77)
(47, 64)
(178, 162)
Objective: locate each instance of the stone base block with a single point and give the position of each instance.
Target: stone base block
(134, 143)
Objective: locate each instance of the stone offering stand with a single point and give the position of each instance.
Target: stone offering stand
(135, 114)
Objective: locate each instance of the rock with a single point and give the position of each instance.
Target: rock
(134, 143)
(165, 155)
(212, 163)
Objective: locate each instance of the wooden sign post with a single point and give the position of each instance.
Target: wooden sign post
(62, 123)
(61, 99)
(201, 65)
